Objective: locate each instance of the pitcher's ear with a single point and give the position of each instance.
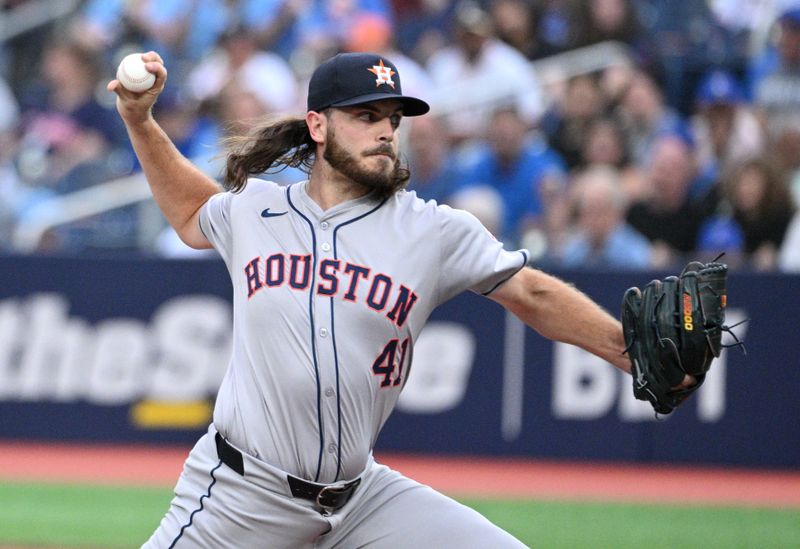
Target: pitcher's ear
(317, 123)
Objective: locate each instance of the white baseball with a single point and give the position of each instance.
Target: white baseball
(133, 75)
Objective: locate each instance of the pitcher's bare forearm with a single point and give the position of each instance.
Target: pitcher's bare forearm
(560, 312)
(179, 187)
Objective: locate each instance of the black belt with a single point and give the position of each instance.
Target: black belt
(326, 496)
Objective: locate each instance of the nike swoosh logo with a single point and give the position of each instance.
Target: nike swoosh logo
(267, 213)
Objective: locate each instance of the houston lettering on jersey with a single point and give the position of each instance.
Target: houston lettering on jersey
(336, 277)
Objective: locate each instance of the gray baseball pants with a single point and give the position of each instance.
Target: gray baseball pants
(216, 507)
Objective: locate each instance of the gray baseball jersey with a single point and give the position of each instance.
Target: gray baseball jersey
(327, 307)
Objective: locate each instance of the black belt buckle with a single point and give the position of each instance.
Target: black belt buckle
(326, 497)
(334, 497)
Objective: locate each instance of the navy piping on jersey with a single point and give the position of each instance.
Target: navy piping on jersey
(524, 262)
(311, 316)
(333, 339)
(206, 495)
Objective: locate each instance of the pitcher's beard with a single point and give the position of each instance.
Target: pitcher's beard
(386, 182)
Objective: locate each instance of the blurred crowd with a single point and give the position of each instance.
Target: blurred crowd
(687, 149)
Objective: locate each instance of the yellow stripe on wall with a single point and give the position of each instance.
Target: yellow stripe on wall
(154, 414)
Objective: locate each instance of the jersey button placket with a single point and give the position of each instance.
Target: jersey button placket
(325, 246)
(328, 361)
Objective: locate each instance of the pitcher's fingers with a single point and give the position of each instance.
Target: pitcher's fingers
(159, 70)
(152, 56)
(117, 87)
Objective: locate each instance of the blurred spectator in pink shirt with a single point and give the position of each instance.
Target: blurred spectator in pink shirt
(64, 101)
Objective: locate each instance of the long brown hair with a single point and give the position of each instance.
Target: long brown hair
(777, 199)
(282, 142)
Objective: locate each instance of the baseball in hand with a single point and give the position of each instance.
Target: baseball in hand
(133, 75)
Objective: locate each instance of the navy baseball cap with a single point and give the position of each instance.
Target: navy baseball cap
(354, 78)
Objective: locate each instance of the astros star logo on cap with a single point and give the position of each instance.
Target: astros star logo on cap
(383, 73)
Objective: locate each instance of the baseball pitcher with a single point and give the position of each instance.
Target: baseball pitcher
(333, 280)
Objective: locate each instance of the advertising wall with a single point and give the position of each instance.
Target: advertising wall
(133, 351)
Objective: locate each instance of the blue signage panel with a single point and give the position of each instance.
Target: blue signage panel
(133, 351)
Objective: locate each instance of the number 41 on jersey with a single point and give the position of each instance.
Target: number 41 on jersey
(386, 362)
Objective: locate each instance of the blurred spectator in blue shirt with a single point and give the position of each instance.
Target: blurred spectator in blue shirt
(177, 29)
(725, 128)
(274, 23)
(435, 174)
(520, 167)
(602, 238)
(183, 31)
(99, 24)
(195, 134)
